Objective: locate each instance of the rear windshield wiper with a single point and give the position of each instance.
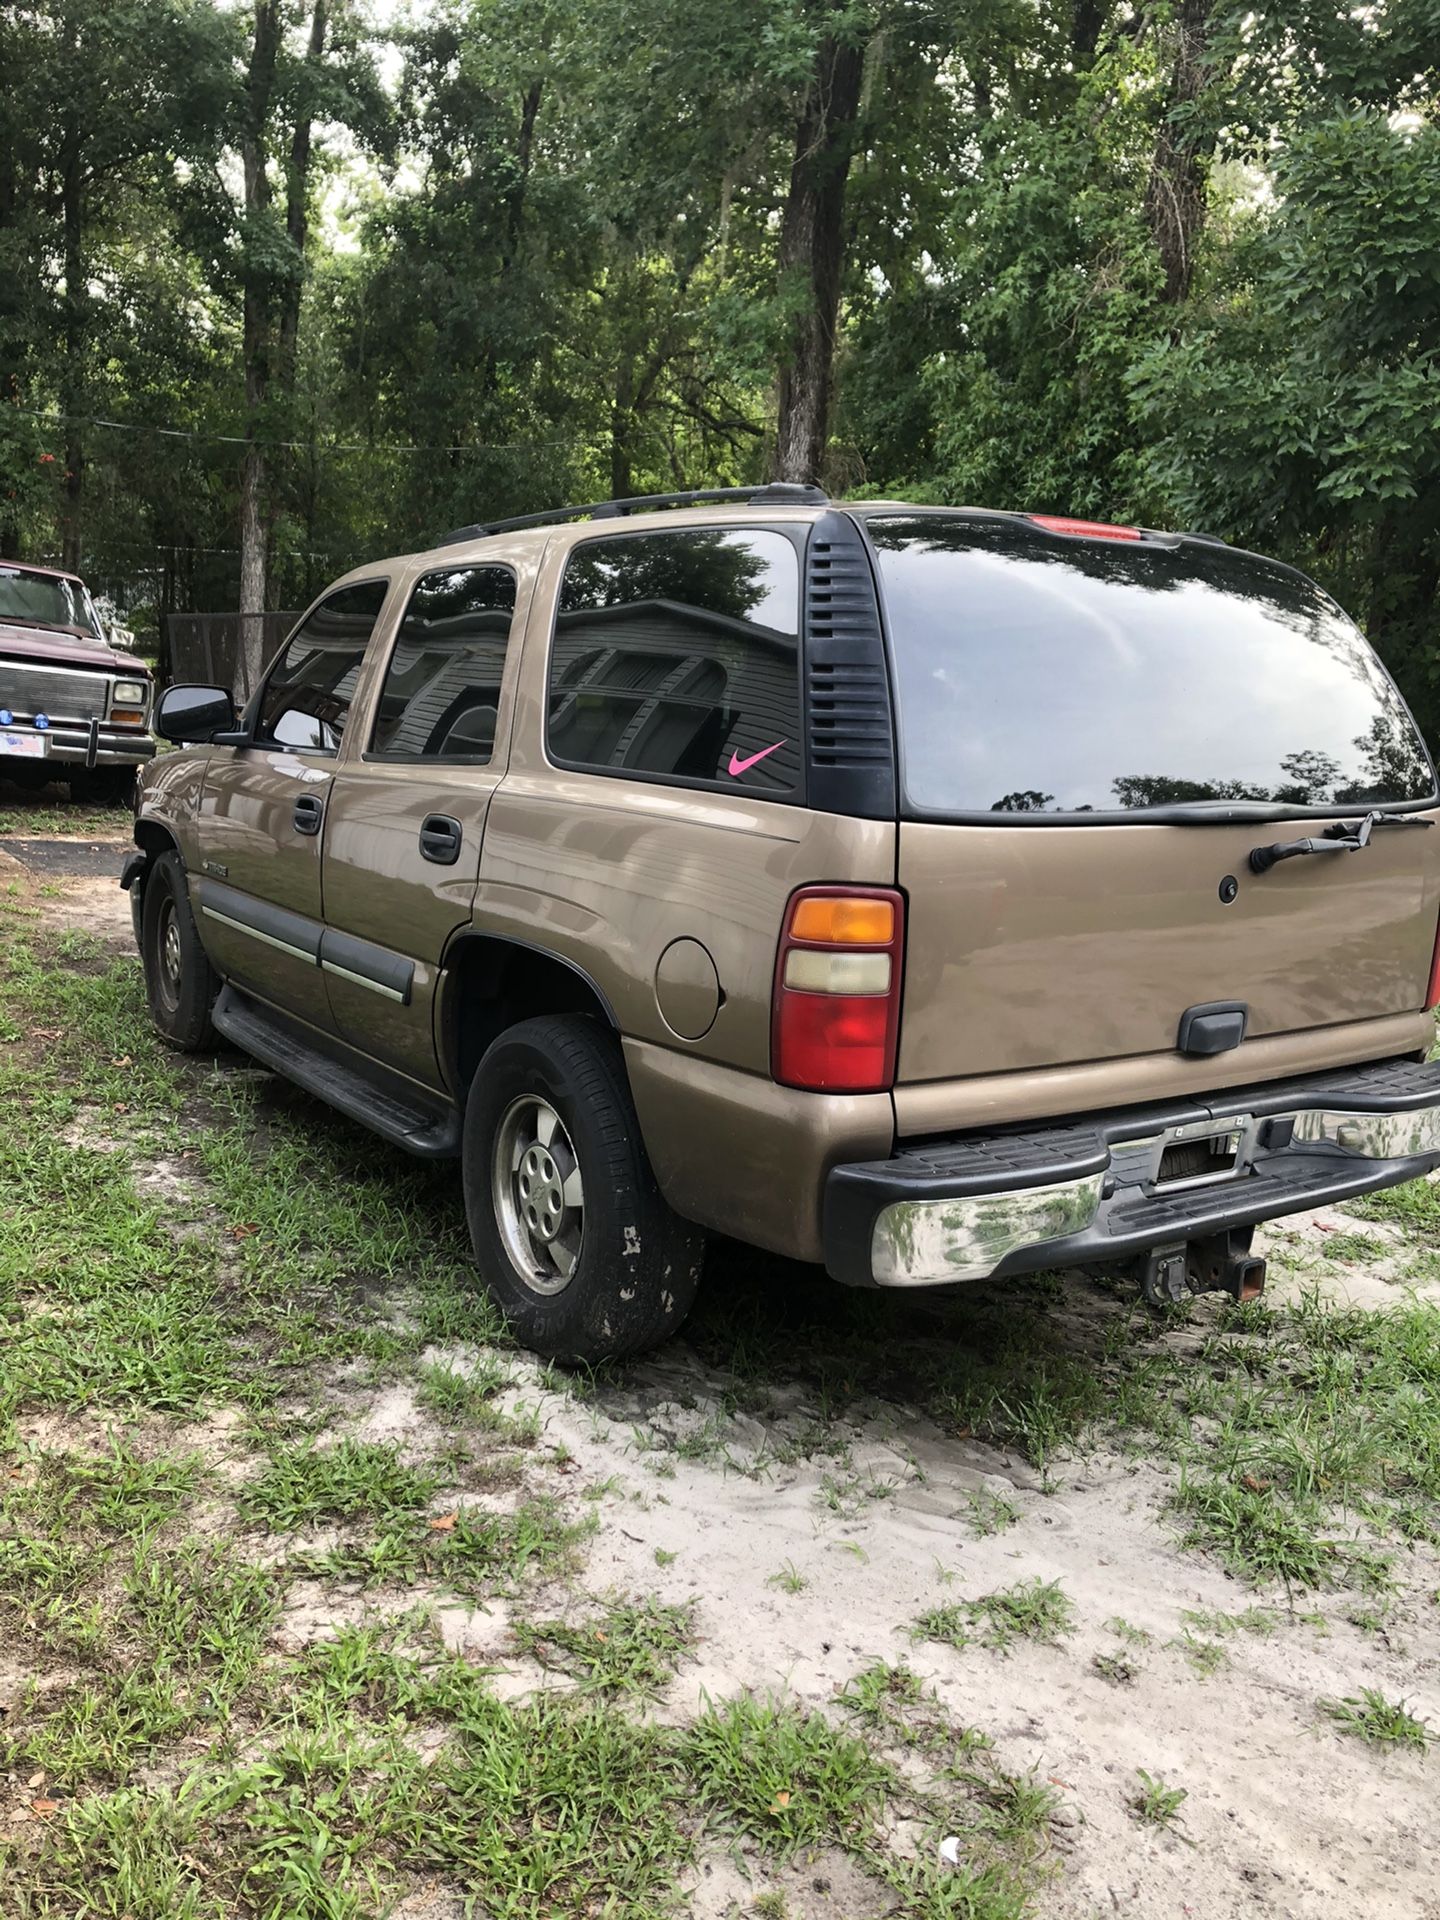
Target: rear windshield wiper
(1341, 838)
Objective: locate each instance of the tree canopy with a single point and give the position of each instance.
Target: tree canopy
(289, 283)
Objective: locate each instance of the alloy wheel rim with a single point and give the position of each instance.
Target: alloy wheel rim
(538, 1194)
(171, 961)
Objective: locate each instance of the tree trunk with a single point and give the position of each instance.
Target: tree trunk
(257, 340)
(1088, 21)
(812, 256)
(1175, 196)
(13, 343)
(514, 222)
(622, 418)
(72, 379)
(297, 212)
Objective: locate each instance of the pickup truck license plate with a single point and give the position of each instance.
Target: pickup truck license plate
(27, 746)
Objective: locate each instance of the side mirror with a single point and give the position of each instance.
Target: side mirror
(190, 714)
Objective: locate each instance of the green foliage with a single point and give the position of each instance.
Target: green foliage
(543, 258)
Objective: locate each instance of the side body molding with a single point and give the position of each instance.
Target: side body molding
(361, 961)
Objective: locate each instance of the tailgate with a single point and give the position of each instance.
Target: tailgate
(1096, 727)
(1032, 947)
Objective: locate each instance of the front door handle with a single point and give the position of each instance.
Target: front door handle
(309, 812)
(440, 839)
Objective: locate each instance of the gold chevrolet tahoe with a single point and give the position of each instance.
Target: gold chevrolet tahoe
(935, 894)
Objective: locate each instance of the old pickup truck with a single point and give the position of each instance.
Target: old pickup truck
(72, 707)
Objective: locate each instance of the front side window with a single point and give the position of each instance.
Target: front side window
(676, 658)
(442, 687)
(1039, 676)
(307, 697)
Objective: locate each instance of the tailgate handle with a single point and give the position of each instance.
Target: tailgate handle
(1216, 1027)
(309, 811)
(440, 839)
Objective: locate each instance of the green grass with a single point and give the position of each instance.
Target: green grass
(1155, 1803)
(625, 1649)
(481, 1554)
(292, 1265)
(306, 1483)
(1414, 1207)
(1037, 1610)
(991, 1512)
(783, 1778)
(46, 816)
(897, 1704)
(1350, 1248)
(788, 1579)
(466, 1397)
(1369, 1716)
(1127, 1631)
(1118, 1668)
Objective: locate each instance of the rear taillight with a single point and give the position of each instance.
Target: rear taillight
(1092, 529)
(836, 1015)
(1432, 996)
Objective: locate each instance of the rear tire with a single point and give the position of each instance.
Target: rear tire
(573, 1238)
(180, 983)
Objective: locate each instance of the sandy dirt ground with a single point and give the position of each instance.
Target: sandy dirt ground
(798, 1585)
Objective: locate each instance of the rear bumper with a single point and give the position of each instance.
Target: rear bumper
(979, 1206)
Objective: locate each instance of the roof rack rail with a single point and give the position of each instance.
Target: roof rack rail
(778, 493)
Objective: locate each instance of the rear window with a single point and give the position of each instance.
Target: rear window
(1061, 677)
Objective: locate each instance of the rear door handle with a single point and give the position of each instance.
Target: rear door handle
(309, 812)
(440, 838)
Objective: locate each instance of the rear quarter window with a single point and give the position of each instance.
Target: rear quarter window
(676, 658)
(1067, 677)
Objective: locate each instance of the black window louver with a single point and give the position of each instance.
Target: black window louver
(849, 734)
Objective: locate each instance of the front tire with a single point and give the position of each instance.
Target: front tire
(180, 983)
(103, 787)
(571, 1233)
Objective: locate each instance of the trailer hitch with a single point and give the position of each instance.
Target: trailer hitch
(1220, 1263)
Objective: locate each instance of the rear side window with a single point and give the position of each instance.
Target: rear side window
(1037, 675)
(442, 686)
(307, 697)
(676, 658)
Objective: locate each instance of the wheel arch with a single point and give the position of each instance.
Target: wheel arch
(491, 982)
(154, 839)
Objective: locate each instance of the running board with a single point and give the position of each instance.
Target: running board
(372, 1097)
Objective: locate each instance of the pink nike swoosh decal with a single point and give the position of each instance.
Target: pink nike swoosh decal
(738, 766)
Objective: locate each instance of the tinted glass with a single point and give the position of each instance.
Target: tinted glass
(308, 694)
(676, 656)
(1047, 676)
(442, 687)
(39, 600)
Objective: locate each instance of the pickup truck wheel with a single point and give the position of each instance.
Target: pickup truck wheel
(180, 983)
(103, 787)
(571, 1233)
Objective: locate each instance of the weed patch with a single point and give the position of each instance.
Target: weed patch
(785, 1778)
(1369, 1716)
(1037, 1610)
(626, 1649)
